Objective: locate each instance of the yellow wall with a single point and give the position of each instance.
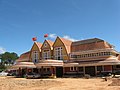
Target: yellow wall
(34, 48)
(58, 43)
(46, 48)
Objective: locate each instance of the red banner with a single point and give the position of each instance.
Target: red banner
(34, 38)
(46, 35)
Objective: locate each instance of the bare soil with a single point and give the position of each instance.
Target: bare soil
(10, 83)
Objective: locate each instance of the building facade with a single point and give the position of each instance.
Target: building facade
(65, 58)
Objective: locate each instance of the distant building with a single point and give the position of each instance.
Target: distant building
(64, 57)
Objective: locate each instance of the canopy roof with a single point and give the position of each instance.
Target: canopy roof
(49, 63)
(23, 65)
(93, 62)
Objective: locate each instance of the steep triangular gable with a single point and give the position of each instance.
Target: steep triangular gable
(36, 46)
(50, 43)
(66, 43)
(47, 44)
(58, 42)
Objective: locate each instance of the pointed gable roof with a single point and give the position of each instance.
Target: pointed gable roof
(39, 45)
(50, 42)
(67, 44)
(66, 41)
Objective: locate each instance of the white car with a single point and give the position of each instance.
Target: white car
(3, 73)
(32, 76)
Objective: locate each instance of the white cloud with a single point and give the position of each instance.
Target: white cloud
(52, 36)
(69, 38)
(2, 50)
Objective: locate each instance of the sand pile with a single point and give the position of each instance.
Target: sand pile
(115, 82)
(7, 83)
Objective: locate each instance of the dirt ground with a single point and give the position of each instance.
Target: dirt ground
(10, 83)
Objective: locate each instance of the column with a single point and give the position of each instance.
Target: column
(84, 70)
(96, 70)
(52, 70)
(42, 71)
(63, 71)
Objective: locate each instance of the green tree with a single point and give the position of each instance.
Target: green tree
(2, 67)
(8, 57)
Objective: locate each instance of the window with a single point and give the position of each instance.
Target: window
(35, 56)
(102, 53)
(80, 69)
(108, 53)
(99, 68)
(45, 44)
(46, 69)
(97, 54)
(58, 53)
(73, 56)
(78, 56)
(73, 68)
(46, 54)
(117, 66)
(91, 55)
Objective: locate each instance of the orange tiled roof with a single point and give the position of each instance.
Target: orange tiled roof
(67, 44)
(39, 45)
(50, 42)
(87, 41)
(90, 44)
(24, 57)
(66, 41)
(119, 57)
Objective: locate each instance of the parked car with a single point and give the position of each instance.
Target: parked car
(32, 76)
(11, 74)
(104, 74)
(116, 72)
(3, 73)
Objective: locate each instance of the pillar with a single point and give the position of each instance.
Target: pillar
(53, 70)
(96, 70)
(84, 70)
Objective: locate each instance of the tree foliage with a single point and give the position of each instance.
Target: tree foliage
(8, 56)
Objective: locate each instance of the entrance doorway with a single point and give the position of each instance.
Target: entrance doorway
(59, 71)
(90, 70)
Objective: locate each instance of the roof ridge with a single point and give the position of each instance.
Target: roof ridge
(90, 39)
(86, 41)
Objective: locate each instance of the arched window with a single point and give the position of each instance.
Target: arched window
(58, 53)
(46, 54)
(35, 56)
